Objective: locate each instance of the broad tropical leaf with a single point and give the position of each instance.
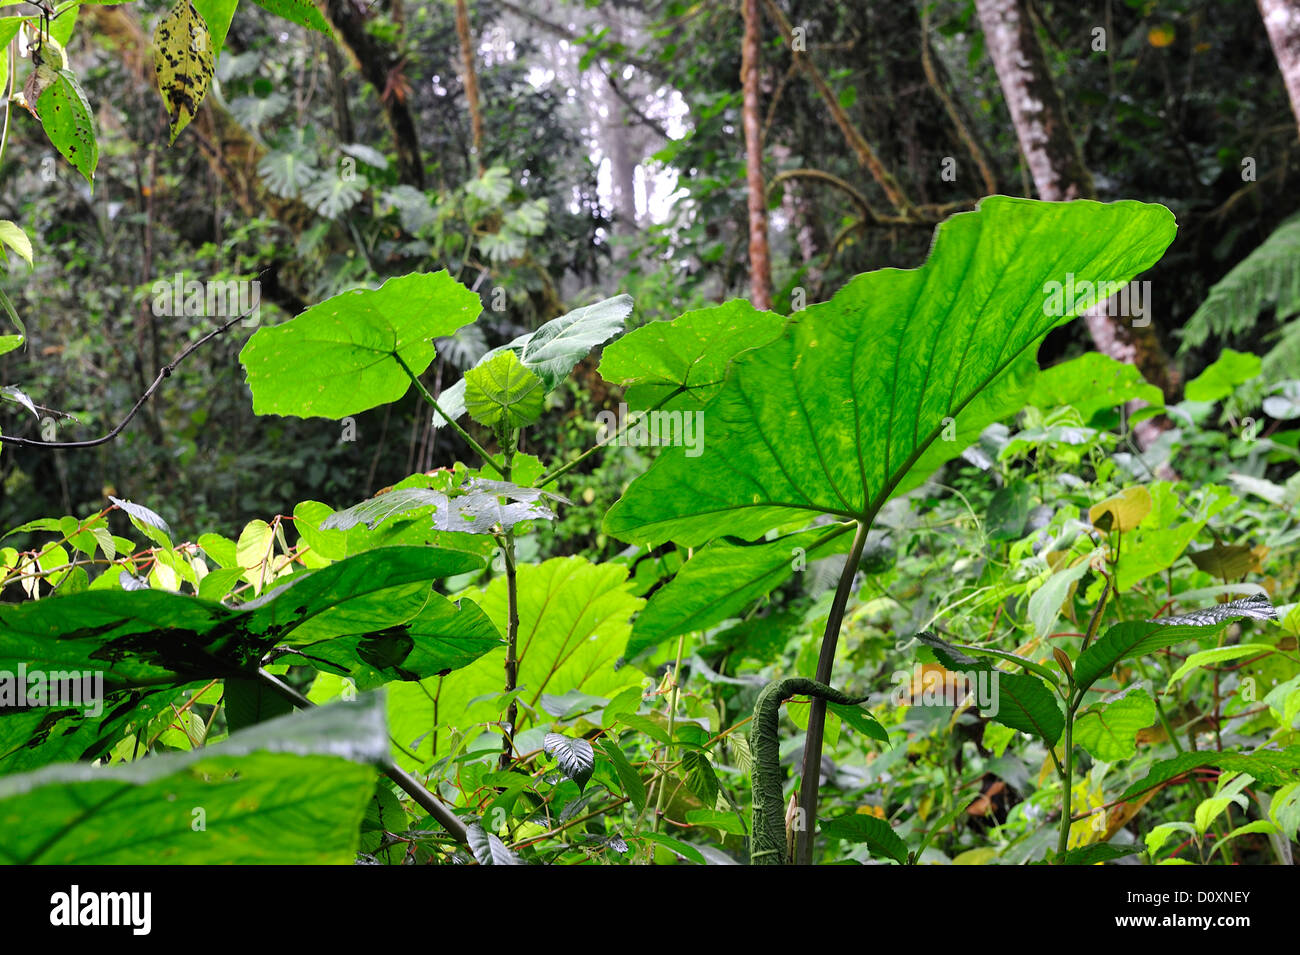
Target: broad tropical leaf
(336, 358)
(290, 791)
(690, 354)
(848, 405)
(573, 625)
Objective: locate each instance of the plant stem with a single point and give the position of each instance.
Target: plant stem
(672, 719)
(512, 613)
(424, 393)
(610, 438)
(1067, 782)
(410, 785)
(812, 747)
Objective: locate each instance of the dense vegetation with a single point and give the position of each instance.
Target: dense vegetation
(383, 482)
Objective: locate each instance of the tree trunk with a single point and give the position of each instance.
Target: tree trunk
(382, 66)
(470, 79)
(1056, 164)
(1282, 20)
(760, 265)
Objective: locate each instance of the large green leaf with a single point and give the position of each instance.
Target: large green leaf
(552, 350)
(847, 406)
(442, 637)
(573, 625)
(336, 358)
(725, 577)
(290, 791)
(129, 640)
(689, 354)
(1135, 638)
(36, 737)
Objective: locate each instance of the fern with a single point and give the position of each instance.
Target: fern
(1266, 277)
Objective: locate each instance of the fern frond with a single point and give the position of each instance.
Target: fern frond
(1269, 276)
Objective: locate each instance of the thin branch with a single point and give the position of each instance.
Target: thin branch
(858, 198)
(654, 124)
(863, 149)
(164, 372)
(963, 132)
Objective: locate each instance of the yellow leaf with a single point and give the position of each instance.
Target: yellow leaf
(1161, 36)
(981, 856)
(1126, 509)
(182, 58)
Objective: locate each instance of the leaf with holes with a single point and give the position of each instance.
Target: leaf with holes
(576, 757)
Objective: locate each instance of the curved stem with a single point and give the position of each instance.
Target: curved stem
(812, 747)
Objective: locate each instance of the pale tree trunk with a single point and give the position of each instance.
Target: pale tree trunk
(1282, 20)
(1053, 158)
(760, 265)
(615, 133)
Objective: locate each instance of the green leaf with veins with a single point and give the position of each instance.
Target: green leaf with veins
(289, 791)
(573, 625)
(336, 358)
(691, 353)
(501, 392)
(847, 406)
(1109, 730)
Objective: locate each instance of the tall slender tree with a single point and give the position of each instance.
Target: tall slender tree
(760, 264)
(1058, 170)
(1282, 20)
